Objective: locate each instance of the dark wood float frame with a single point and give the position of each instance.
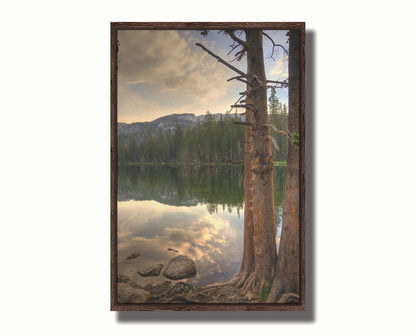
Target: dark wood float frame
(115, 27)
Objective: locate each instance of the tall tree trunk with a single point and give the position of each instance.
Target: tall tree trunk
(264, 228)
(260, 254)
(247, 263)
(288, 258)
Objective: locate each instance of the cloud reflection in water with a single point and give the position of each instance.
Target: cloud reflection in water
(213, 240)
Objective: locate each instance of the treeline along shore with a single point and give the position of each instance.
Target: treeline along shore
(213, 138)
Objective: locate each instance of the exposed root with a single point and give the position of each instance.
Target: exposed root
(238, 275)
(249, 284)
(242, 279)
(218, 285)
(244, 287)
(290, 298)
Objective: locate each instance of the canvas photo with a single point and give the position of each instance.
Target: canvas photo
(207, 166)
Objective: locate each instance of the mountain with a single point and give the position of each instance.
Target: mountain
(165, 123)
(142, 130)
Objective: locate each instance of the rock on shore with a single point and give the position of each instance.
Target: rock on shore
(151, 271)
(128, 294)
(180, 267)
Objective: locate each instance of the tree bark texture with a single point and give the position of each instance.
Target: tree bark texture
(288, 258)
(262, 207)
(258, 266)
(247, 263)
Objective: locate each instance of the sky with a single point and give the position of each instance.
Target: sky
(161, 72)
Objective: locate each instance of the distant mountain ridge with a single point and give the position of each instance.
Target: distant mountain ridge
(140, 130)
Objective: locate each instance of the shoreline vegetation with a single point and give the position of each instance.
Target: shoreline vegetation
(184, 139)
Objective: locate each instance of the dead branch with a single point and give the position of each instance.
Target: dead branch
(233, 47)
(242, 106)
(246, 82)
(278, 82)
(271, 126)
(240, 54)
(238, 100)
(235, 38)
(222, 61)
(235, 78)
(277, 131)
(274, 142)
(273, 87)
(239, 42)
(274, 45)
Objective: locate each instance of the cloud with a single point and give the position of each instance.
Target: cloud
(175, 68)
(280, 70)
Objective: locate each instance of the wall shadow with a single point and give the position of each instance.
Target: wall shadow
(308, 316)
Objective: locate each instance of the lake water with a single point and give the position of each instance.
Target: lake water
(165, 211)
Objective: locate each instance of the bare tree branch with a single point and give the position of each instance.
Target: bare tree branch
(235, 38)
(238, 100)
(235, 78)
(233, 47)
(283, 84)
(222, 61)
(277, 131)
(273, 87)
(278, 82)
(274, 142)
(246, 82)
(274, 44)
(242, 106)
(240, 54)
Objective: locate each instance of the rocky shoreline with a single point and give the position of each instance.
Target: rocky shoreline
(180, 268)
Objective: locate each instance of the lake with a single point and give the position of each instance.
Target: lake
(197, 211)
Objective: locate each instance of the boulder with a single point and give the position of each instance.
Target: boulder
(133, 255)
(123, 278)
(151, 271)
(128, 294)
(180, 267)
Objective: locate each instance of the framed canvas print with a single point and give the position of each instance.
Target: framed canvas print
(208, 166)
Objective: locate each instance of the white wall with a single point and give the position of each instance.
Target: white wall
(55, 173)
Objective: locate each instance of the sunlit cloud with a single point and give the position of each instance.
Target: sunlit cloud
(279, 70)
(176, 67)
(164, 72)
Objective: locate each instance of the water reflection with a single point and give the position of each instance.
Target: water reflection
(213, 240)
(194, 211)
